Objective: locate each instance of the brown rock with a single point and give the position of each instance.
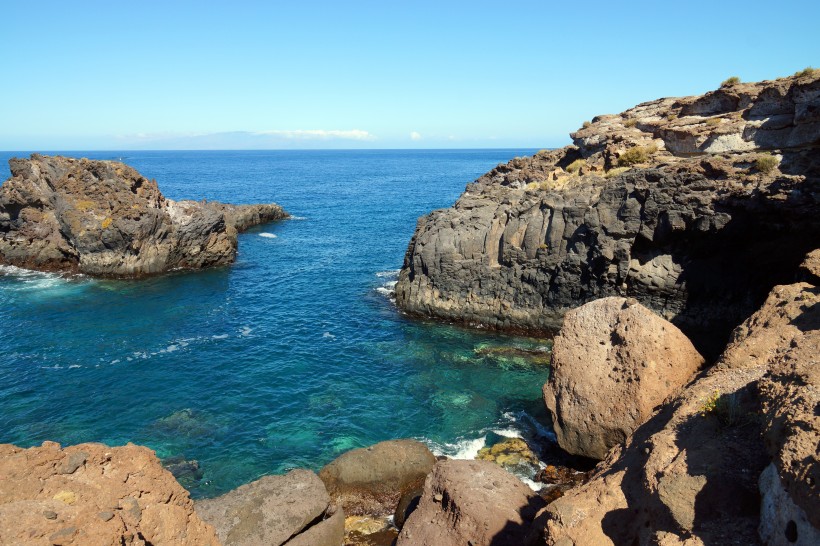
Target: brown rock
(104, 218)
(613, 364)
(91, 494)
(690, 474)
(472, 502)
(370, 481)
(271, 510)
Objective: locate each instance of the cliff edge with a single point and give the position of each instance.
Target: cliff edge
(694, 206)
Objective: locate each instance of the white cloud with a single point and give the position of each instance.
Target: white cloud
(414, 135)
(318, 134)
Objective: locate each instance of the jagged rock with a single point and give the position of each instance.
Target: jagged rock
(791, 398)
(371, 480)
(276, 510)
(694, 230)
(689, 475)
(472, 502)
(103, 218)
(92, 494)
(613, 363)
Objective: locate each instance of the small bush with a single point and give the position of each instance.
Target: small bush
(631, 122)
(615, 172)
(729, 82)
(671, 117)
(586, 124)
(713, 122)
(638, 154)
(766, 163)
(808, 71)
(726, 407)
(575, 166)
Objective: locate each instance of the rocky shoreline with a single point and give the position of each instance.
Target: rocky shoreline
(694, 206)
(687, 363)
(103, 218)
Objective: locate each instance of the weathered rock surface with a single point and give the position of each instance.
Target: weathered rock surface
(613, 363)
(292, 509)
(692, 473)
(472, 502)
(103, 218)
(371, 480)
(92, 494)
(666, 202)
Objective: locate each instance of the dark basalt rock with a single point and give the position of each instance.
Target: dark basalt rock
(695, 231)
(103, 218)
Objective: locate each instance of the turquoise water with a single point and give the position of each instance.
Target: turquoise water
(289, 357)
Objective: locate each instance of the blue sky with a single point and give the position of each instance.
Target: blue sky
(240, 74)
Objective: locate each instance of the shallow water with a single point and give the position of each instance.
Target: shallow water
(289, 357)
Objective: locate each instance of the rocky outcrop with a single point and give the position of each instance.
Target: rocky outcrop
(92, 494)
(292, 509)
(613, 363)
(371, 480)
(103, 218)
(694, 472)
(695, 206)
(472, 502)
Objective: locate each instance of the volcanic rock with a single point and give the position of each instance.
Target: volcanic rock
(92, 494)
(103, 218)
(695, 206)
(613, 362)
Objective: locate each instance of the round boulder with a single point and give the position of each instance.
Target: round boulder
(613, 362)
(370, 481)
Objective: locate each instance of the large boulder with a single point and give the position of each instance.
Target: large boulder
(694, 472)
(293, 509)
(94, 495)
(104, 218)
(695, 206)
(371, 480)
(613, 363)
(472, 502)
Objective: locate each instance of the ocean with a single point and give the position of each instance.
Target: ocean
(285, 359)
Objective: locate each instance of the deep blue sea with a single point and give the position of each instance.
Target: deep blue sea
(287, 358)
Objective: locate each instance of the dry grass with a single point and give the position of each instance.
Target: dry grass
(575, 166)
(638, 154)
(729, 82)
(766, 163)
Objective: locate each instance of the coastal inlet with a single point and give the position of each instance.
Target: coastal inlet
(287, 358)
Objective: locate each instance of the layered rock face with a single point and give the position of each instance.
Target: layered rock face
(698, 471)
(695, 206)
(103, 218)
(92, 494)
(613, 363)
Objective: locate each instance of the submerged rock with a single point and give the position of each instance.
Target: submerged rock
(613, 362)
(371, 480)
(695, 206)
(512, 454)
(293, 509)
(103, 218)
(92, 494)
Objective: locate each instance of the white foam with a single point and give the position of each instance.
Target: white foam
(508, 432)
(245, 331)
(463, 449)
(268, 235)
(297, 218)
(74, 366)
(388, 273)
(220, 336)
(328, 335)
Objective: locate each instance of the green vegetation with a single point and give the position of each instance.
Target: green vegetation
(615, 172)
(575, 166)
(726, 407)
(766, 163)
(638, 154)
(712, 122)
(729, 82)
(631, 122)
(808, 71)
(671, 117)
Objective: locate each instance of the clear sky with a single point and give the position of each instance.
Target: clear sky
(81, 75)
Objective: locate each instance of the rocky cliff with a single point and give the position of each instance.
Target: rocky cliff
(103, 218)
(694, 206)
